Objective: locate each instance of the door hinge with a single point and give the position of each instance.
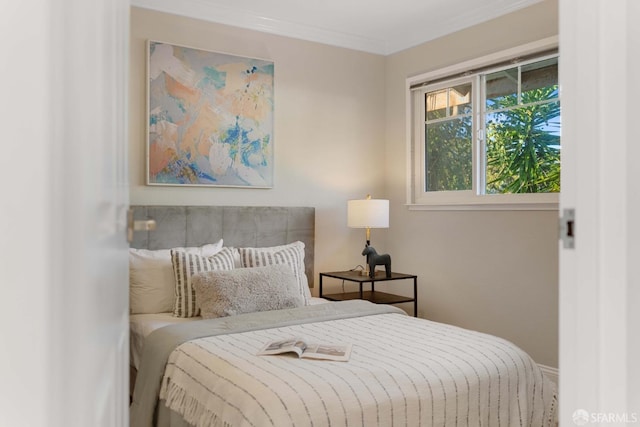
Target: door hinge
(568, 228)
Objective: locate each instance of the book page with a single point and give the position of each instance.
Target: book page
(328, 351)
(295, 345)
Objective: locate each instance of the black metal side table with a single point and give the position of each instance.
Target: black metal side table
(372, 295)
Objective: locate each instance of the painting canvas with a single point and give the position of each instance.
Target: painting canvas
(210, 118)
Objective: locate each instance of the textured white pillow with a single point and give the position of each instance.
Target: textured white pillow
(151, 279)
(246, 290)
(291, 254)
(185, 266)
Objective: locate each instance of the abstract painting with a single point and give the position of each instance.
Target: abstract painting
(210, 118)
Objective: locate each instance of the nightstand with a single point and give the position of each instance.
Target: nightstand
(372, 295)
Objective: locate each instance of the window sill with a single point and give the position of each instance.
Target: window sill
(485, 206)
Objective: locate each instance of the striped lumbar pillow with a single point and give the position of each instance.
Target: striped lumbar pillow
(185, 265)
(291, 255)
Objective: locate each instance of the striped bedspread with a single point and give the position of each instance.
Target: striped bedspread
(403, 371)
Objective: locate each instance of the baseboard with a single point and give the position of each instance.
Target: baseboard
(549, 372)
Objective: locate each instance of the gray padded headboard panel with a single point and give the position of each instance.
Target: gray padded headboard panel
(239, 226)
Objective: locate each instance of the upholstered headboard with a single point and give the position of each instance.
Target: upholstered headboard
(239, 226)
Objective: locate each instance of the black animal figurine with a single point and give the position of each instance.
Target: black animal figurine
(374, 259)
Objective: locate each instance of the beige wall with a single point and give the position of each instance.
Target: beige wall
(495, 272)
(329, 127)
(340, 134)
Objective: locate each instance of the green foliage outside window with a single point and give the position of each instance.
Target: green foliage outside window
(523, 145)
(449, 139)
(449, 155)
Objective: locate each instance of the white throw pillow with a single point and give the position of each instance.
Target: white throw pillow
(246, 290)
(291, 254)
(185, 266)
(151, 280)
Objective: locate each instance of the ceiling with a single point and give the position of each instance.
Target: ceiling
(375, 26)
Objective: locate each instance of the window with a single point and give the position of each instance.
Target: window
(490, 137)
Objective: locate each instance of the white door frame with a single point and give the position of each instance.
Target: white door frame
(599, 279)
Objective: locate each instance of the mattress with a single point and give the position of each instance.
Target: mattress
(141, 325)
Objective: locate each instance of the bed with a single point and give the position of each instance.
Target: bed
(204, 370)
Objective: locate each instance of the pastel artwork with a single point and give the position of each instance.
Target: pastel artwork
(210, 118)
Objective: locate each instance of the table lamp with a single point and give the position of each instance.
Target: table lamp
(368, 213)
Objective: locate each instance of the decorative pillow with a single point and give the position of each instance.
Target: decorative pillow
(185, 265)
(152, 283)
(246, 290)
(291, 255)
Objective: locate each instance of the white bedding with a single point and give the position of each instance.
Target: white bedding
(402, 371)
(141, 325)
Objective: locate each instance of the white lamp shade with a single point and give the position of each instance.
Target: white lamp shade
(369, 213)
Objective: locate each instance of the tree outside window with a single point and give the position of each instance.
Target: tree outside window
(522, 123)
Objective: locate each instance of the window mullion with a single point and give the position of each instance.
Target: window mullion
(479, 136)
(420, 179)
(519, 85)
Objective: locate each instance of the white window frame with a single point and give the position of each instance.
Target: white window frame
(417, 198)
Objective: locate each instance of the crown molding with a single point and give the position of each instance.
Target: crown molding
(410, 36)
(200, 9)
(436, 28)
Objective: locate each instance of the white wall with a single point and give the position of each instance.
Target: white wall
(490, 271)
(329, 127)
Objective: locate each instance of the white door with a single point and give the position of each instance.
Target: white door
(64, 327)
(600, 277)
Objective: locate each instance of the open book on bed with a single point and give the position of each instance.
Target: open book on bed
(299, 346)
